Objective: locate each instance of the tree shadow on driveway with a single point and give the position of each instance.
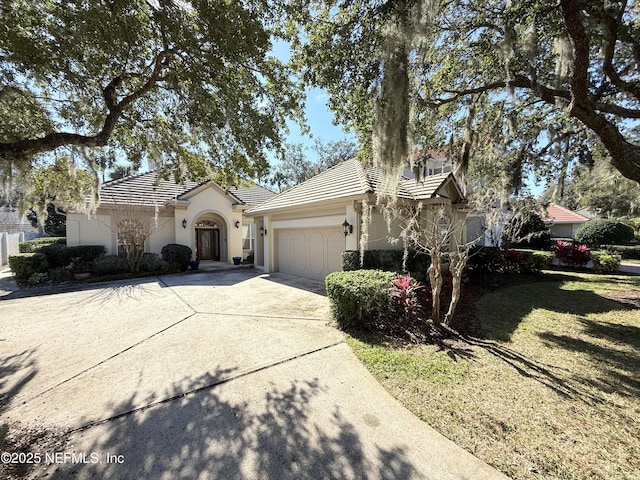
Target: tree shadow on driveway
(16, 370)
(223, 433)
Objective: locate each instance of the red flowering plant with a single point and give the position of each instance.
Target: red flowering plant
(406, 292)
(572, 254)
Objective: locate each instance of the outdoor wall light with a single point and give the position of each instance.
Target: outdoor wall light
(184, 223)
(237, 223)
(347, 228)
(261, 231)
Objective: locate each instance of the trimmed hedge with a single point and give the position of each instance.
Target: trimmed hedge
(604, 262)
(536, 260)
(86, 254)
(361, 299)
(602, 232)
(388, 261)
(34, 246)
(627, 252)
(177, 256)
(23, 265)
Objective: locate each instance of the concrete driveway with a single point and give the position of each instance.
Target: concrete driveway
(228, 374)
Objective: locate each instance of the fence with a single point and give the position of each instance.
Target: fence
(9, 244)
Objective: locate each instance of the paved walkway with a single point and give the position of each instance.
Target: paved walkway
(212, 375)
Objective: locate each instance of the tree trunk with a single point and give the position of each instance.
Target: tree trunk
(435, 278)
(457, 267)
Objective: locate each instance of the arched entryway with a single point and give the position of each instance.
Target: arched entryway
(210, 238)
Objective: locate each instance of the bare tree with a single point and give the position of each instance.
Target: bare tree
(132, 227)
(439, 231)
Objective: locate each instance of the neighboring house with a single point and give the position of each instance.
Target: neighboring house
(303, 231)
(203, 216)
(563, 222)
(12, 222)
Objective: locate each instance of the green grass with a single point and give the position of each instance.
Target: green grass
(551, 391)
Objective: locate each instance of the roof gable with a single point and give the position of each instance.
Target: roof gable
(150, 190)
(559, 214)
(350, 179)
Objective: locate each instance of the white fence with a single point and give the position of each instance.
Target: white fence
(9, 244)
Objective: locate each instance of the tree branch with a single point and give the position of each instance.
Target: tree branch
(32, 146)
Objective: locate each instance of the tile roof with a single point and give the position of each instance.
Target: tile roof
(348, 179)
(147, 189)
(558, 214)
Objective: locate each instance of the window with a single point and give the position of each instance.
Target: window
(248, 236)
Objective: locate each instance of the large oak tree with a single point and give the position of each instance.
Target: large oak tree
(506, 86)
(188, 85)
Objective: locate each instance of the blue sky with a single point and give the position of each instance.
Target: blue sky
(319, 118)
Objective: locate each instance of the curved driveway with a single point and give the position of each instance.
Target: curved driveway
(212, 375)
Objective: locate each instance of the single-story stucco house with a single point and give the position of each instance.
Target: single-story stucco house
(302, 231)
(562, 222)
(203, 216)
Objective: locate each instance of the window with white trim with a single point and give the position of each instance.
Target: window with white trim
(248, 236)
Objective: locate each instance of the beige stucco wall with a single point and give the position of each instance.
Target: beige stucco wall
(94, 230)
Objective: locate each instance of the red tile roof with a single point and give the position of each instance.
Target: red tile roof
(558, 214)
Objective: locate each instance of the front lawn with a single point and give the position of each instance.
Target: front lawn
(551, 390)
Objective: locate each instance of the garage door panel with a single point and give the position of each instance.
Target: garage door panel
(317, 253)
(299, 251)
(311, 253)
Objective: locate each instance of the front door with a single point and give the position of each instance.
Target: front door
(208, 244)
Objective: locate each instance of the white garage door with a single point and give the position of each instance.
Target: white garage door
(311, 253)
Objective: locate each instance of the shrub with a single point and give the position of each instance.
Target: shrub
(109, 265)
(572, 254)
(604, 262)
(37, 278)
(388, 261)
(361, 299)
(626, 252)
(177, 256)
(350, 260)
(410, 296)
(601, 232)
(526, 229)
(55, 255)
(528, 261)
(33, 246)
(152, 262)
(62, 256)
(23, 265)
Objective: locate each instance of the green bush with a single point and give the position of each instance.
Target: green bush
(604, 262)
(152, 262)
(23, 265)
(82, 253)
(526, 229)
(536, 260)
(109, 265)
(388, 261)
(626, 252)
(55, 254)
(601, 232)
(34, 246)
(177, 256)
(37, 278)
(361, 299)
(350, 260)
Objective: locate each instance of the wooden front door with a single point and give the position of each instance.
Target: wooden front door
(208, 244)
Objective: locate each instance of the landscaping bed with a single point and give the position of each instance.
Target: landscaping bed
(546, 386)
